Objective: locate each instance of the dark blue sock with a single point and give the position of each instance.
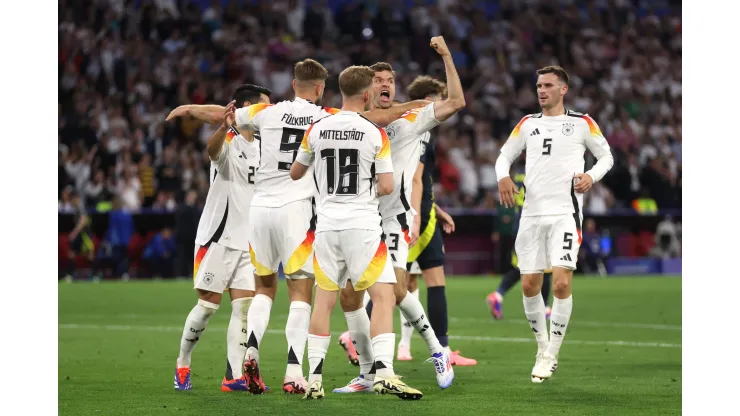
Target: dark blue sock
(369, 309)
(546, 286)
(509, 280)
(437, 311)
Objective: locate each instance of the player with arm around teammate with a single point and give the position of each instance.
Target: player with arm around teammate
(222, 260)
(550, 227)
(283, 219)
(348, 152)
(406, 136)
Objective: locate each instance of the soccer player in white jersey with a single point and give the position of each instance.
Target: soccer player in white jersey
(222, 259)
(550, 228)
(348, 152)
(282, 226)
(406, 136)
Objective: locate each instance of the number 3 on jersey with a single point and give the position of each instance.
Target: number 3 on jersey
(348, 171)
(290, 143)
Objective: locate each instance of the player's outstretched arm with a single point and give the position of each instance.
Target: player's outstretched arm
(210, 113)
(599, 147)
(384, 117)
(215, 143)
(455, 100)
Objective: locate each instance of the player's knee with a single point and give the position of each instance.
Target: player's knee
(350, 300)
(212, 297)
(531, 286)
(434, 276)
(561, 288)
(383, 295)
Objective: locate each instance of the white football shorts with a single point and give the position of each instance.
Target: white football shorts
(284, 234)
(359, 256)
(548, 241)
(217, 268)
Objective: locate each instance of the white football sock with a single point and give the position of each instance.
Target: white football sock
(561, 309)
(358, 324)
(317, 347)
(195, 324)
(414, 313)
(407, 329)
(365, 299)
(534, 308)
(383, 346)
(296, 332)
(236, 336)
(258, 317)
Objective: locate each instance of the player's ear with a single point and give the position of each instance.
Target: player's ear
(246, 104)
(294, 84)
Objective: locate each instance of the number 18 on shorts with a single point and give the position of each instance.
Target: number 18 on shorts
(548, 241)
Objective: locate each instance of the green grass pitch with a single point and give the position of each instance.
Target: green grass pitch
(622, 355)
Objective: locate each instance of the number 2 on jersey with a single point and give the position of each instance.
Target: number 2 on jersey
(290, 142)
(348, 171)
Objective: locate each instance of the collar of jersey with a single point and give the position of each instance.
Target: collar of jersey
(302, 100)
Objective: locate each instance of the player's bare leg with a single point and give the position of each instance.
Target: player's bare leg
(236, 340)
(195, 325)
(258, 316)
(296, 332)
(404, 345)
(534, 309)
(383, 341)
(319, 337)
(561, 309)
(356, 342)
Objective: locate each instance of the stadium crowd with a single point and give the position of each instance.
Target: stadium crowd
(124, 64)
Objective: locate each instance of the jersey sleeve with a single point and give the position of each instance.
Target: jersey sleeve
(420, 120)
(249, 118)
(223, 157)
(599, 147)
(305, 152)
(383, 163)
(511, 150)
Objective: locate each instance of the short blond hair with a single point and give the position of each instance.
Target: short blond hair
(310, 70)
(355, 80)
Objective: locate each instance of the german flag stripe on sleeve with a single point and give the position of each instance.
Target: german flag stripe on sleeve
(385, 146)
(515, 132)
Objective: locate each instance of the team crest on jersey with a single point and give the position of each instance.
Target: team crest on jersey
(391, 132)
(208, 278)
(568, 129)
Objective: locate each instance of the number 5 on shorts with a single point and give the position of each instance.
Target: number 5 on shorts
(568, 241)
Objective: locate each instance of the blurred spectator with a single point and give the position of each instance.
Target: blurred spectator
(114, 247)
(159, 254)
(667, 243)
(595, 248)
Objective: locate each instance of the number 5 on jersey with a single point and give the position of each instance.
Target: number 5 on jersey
(289, 143)
(347, 165)
(547, 146)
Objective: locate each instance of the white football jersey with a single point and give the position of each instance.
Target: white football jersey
(281, 127)
(226, 212)
(347, 150)
(555, 146)
(406, 135)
